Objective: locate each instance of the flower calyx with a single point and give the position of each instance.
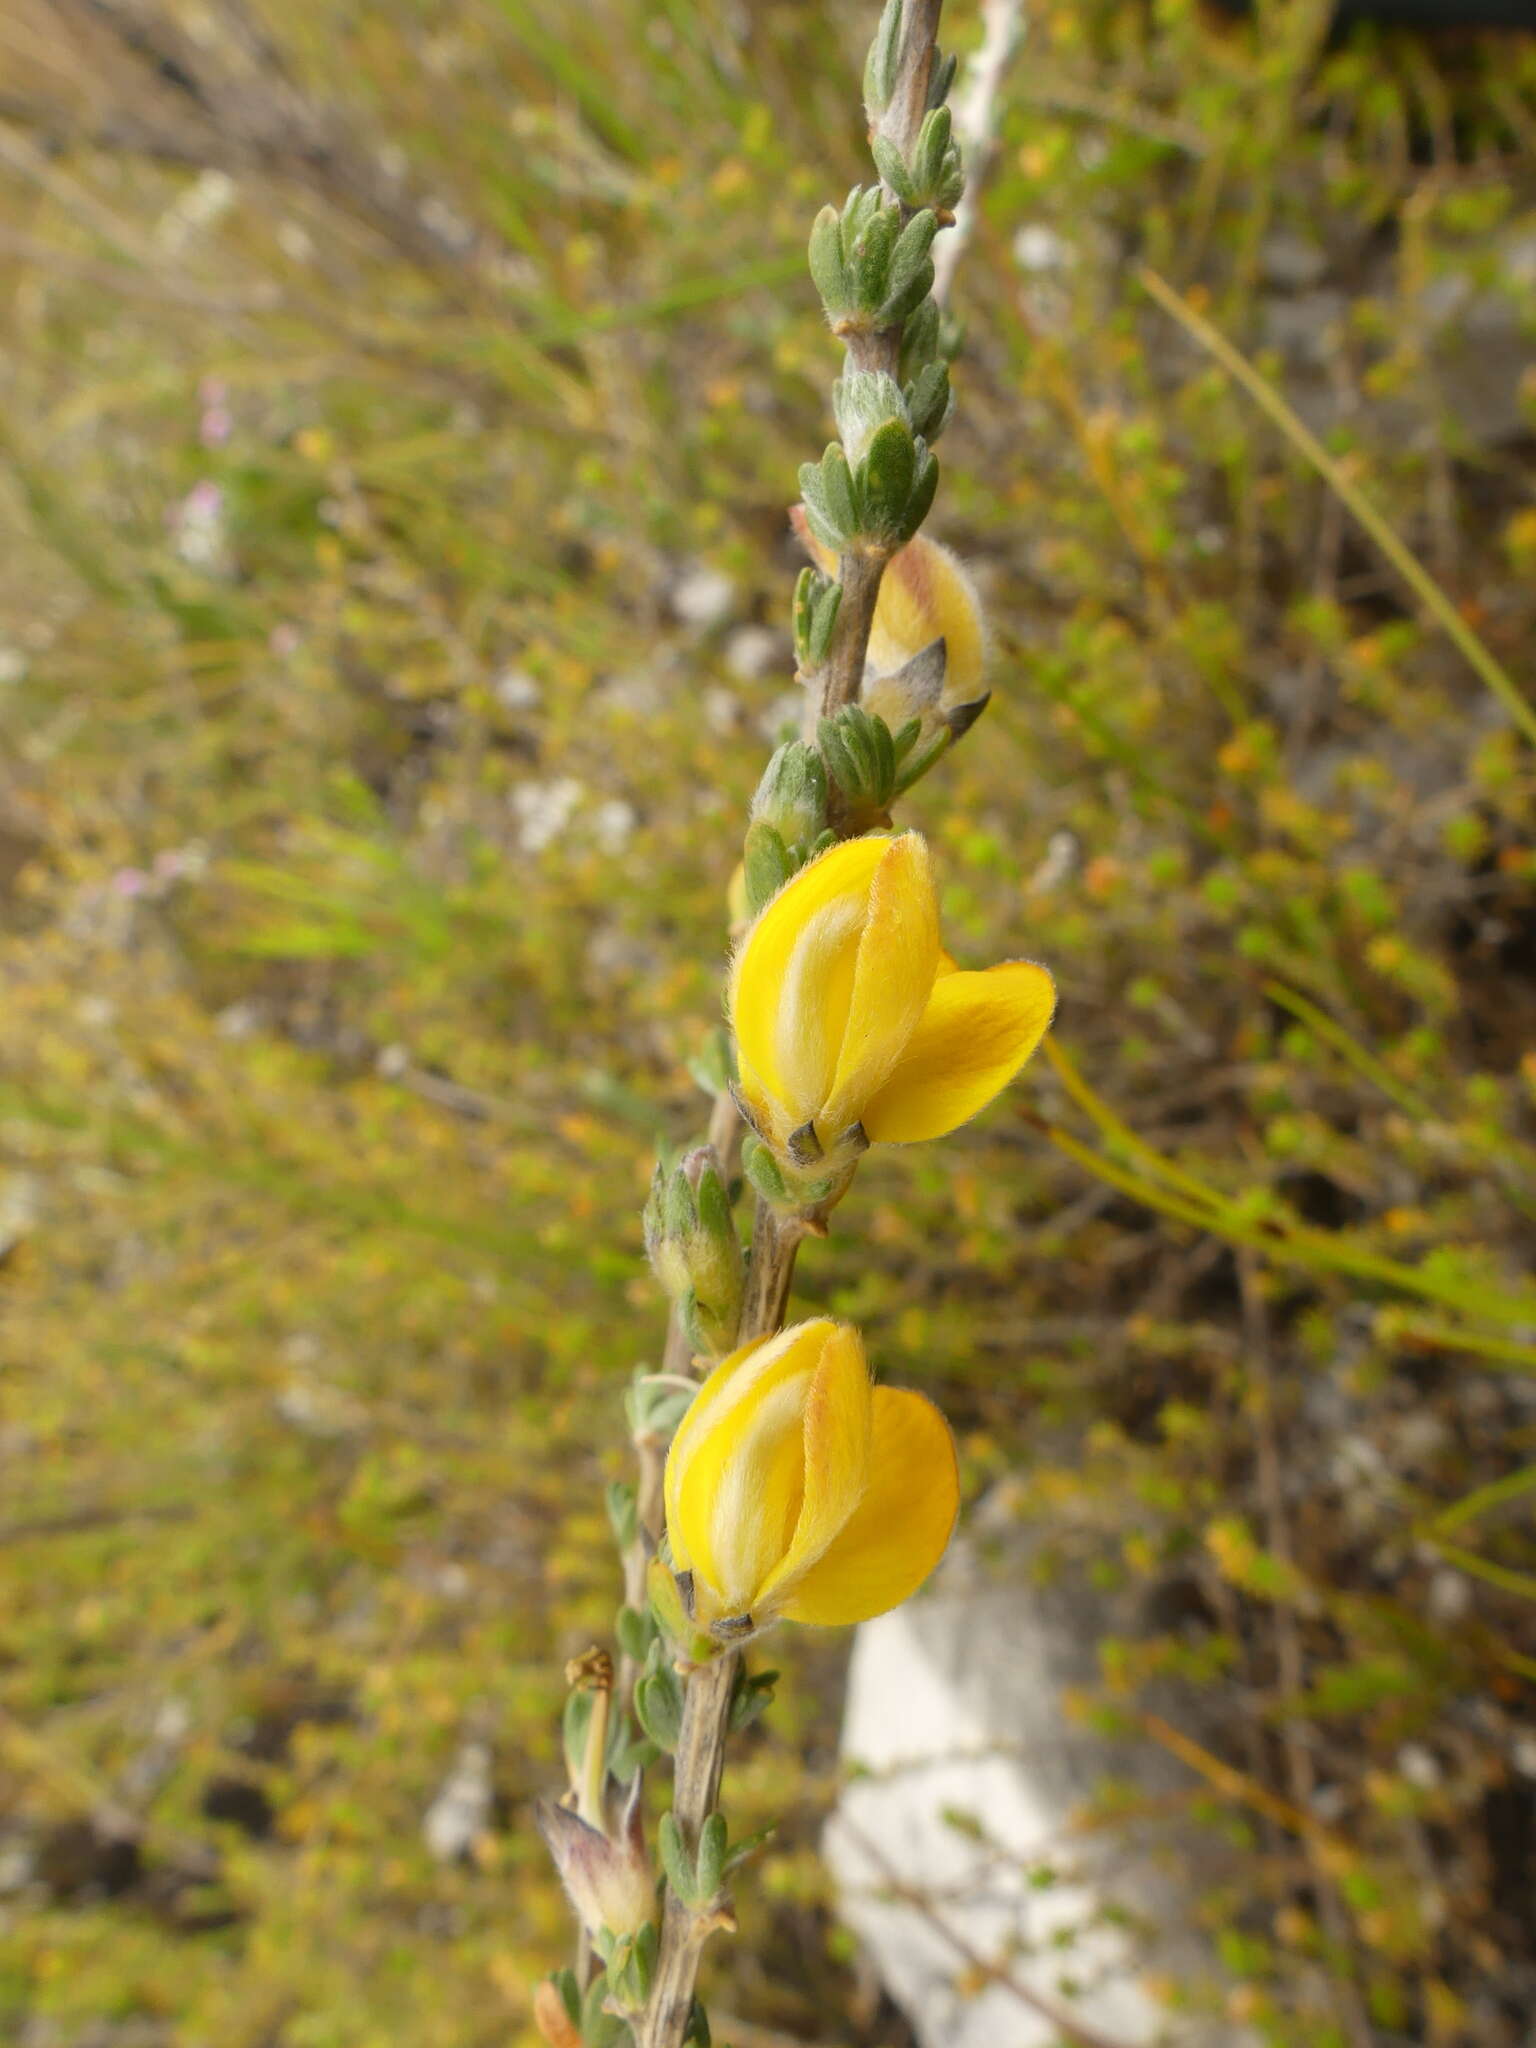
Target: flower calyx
(694, 1250)
(595, 1833)
(788, 821)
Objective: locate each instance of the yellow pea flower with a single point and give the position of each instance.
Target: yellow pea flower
(853, 1025)
(795, 1490)
(926, 594)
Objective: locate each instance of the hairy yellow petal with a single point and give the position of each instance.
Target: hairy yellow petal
(727, 1442)
(793, 974)
(976, 1033)
(898, 955)
(814, 1002)
(766, 1114)
(926, 595)
(900, 1528)
(835, 1455)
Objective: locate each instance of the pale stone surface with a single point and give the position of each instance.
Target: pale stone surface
(955, 1709)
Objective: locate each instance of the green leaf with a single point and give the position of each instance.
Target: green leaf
(873, 253)
(620, 1502)
(909, 274)
(823, 618)
(766, 863)
(923, 488)
(747, 1846)
(752, 1698)
(697, 2035)
(829, 271)
(762, 1169)
(932, 141)
(659, 1706)
(635, 1632)
(886, 477)
(679, 1217)
(920, 341)
(711, 1861)
(892, 166)
(929, 400)
(675, 1860)
(880, 66)
(827, 489)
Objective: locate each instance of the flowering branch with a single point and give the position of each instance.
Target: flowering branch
(786, 1486)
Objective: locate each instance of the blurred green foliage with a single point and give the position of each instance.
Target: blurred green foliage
(395, 435)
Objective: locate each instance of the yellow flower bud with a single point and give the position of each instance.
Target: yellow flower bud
(796, 1490)
(853, 1025)
(926, 594)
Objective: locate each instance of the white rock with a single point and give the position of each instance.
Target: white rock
(1449, 1597)
(516, 690)
(787, 709)
(461, 1812)
(722, 709)
(1038, 249)
(612, 824)
(954, 1710)
(751, 651)
(1419, 1766)
(543, 810)
(702, 597)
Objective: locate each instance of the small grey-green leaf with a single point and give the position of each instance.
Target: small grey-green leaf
(892, 166)
(675, 1860)
(881, 64)
(828, 269)
(930, 400)
(659, 1706)
(634, 1631)
(919, 341)
(928, 155)
(914, 769)
(872, 257)
(711, 1863)
(899, 306)
(923, 489)
(678, 1214)
(909, 251)
(747, 1846)
(823, 619)
(904, 738)
(714, 1206)
(837, 488)
(831, 531)
(762, 1169)
(885, 759)
(620, 1501)
(766, 864)
(888, 472)
(842, 765)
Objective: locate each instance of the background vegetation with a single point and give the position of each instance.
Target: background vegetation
(398, 416)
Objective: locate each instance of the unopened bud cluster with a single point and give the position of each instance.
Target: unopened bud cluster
(694, 1250)
(788, 821)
